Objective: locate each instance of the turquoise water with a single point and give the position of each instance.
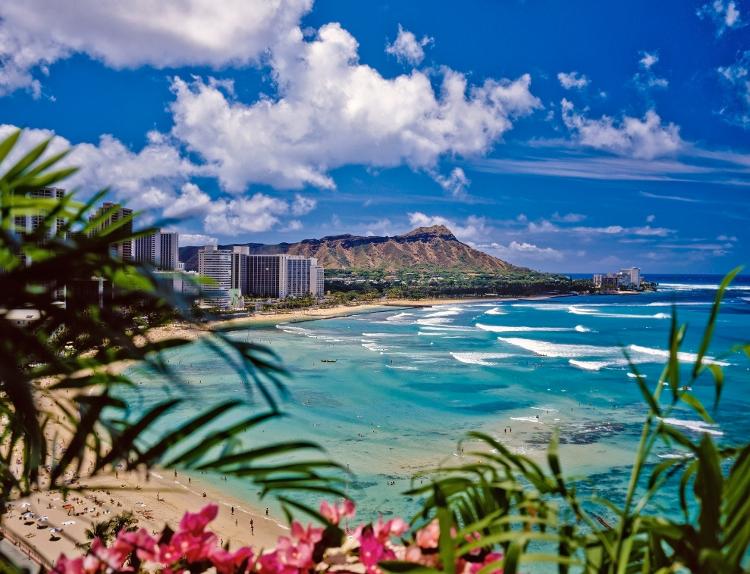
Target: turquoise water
(408, 383)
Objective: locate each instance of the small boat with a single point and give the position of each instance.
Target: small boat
(327, 360)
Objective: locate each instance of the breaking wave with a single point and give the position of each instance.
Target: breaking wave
(520, 329)
(484, 359)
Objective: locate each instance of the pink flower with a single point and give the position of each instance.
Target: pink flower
(65, 565)
(336, 512)
(140, 542)
(296, 555)
(227, 562)
(196, 522)
(311, 534)
(429, 536)
(372, 551)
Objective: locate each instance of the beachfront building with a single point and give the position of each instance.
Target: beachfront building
(299, 275)
(317, 280)
(267, 276)
(240, 263)
(120, 249)
(29, 223)
(276, 276)
(216, 264)
(629, 278)
(158, 249)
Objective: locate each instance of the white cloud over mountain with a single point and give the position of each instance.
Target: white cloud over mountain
(130, 33)
(333, 111)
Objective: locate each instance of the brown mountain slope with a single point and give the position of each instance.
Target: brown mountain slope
(422, 247)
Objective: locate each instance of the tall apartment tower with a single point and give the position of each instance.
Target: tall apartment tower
(267, 276)
(240, 264)
(159, 249)
(216, 264)
(121, 249)
(169, 249)
(298, 271)
(31, 222)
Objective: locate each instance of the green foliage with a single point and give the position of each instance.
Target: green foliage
(536, 514)
(107, 530)
(69, 356)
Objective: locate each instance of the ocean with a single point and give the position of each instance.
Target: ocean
(408, 383)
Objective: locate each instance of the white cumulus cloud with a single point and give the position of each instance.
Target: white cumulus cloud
(145, 179)
(570, 80)
(455, 183)
(473, 228)
(723, 14)
(130, 33)
(333, 111)
(645, 138)
(407, 48)
(521, 251)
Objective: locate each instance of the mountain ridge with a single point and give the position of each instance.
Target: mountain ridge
(422, 247)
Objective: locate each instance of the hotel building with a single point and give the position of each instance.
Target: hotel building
(121, 249)
(216, 264)
(159, 249)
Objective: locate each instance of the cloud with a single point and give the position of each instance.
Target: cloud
(455, 183)
(474, 228)
(681, 198)
(572, 80)
(407, 48)
(516, 250)
(145, 179)
(650, 218)
(293, 225)
(254, 214)
(302, 205)
(545, 226)
(568, 217)
(633, 137)
(332, 111)
(191, 201)
(648, 59)
(130, 33)
(647, 79)
(724, 15)
(197, 239)
(736, 80)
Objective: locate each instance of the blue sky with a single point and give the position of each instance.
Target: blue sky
(576, 136)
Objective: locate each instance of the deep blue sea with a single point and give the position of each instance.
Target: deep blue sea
(408, 383)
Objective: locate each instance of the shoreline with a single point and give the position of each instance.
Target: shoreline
(157, 498)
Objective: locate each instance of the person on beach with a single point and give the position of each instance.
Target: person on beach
(233, 511)
(252, 527)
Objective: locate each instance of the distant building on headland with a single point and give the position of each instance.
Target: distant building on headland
(627, 279)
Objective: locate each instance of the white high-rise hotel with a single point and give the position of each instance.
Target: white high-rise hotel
(272, 276)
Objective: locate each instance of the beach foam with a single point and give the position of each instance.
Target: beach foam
(582, 329)
(496, 311)
(696, 426)
(560, 350)
(682, 356)
(590, 365)
(484, 359)
(527, 419)
(692, 287)
(399, 316)
(520, 329)
(586, 310)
